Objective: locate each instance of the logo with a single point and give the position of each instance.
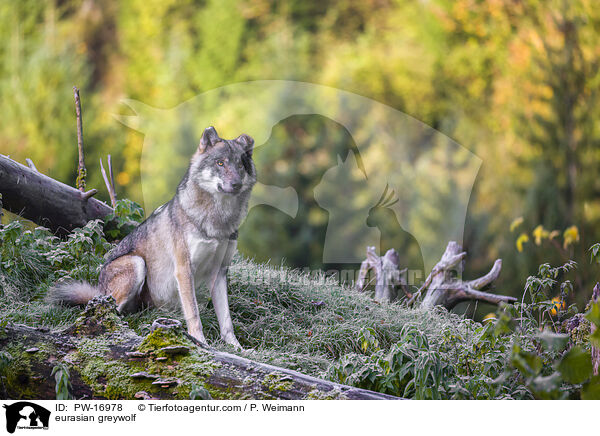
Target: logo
(26, 415)
(382, 179)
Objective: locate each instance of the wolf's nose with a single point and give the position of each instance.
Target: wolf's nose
(236, 186)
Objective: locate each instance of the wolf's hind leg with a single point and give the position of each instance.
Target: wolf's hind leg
(124, 278)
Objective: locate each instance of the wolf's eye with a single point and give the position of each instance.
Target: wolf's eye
(220, 163)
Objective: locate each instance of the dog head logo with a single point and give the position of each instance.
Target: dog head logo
(428, 176)
(26, 415)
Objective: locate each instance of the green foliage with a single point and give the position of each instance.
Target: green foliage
(126, 216)
(315, 325)
(32, 260)
(410, 368)
(550, 364)
(593, 315)
(199, 393)
(29, 257)
(595, 252)
(63, 383)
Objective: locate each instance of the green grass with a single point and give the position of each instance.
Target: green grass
(281, 316)
(315, 325)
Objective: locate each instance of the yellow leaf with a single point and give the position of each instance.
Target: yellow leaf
(516, 223)
(570, 236)
(554, 234)
(490, 317)
(523, 238)
(559, 304)
(539, 233)
(123, 178)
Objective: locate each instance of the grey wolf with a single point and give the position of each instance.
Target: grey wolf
(188, 241)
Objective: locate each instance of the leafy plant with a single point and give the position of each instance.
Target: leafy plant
(63, 384)
(410, 368)
(126, 216)
(199, 393)
(31, 260)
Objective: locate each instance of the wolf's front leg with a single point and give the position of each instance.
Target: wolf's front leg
(220, 302)
(189, 305)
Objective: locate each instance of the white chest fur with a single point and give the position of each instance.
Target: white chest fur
(206, 257)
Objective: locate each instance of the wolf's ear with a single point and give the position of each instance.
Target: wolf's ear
(246, 142)
(209, 138)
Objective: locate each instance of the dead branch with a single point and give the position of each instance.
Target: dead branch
(81, 171)
(445, 287)
(110, 183)
(30, 164)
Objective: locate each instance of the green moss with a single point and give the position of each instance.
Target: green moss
(334, 394)
(99, 317)
(19, 374)
(112, 379)
(277, 381)
(93, 347)
(163, 337)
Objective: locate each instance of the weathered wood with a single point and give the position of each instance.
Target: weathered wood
(444, 285)
(110, 184)
(107, 359)
(387, 275)
(595, 350)
(46, 201)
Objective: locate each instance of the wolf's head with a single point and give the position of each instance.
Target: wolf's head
(223, 166)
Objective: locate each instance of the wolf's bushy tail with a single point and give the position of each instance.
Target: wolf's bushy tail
(73, 293)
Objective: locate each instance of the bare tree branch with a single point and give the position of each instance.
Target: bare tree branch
(81, 171)
(110, 184)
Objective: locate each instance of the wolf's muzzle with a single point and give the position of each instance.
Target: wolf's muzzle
(232, 188)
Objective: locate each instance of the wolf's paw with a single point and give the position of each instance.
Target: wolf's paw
(233, 342)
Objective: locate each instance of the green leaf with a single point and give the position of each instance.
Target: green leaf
(529, 364)
(591, 389)
(593, 315)
(576, 365)
(199, 393)
(546, 387)
(553, 341)
(595, 338)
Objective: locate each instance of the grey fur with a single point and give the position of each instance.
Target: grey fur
(72, 293)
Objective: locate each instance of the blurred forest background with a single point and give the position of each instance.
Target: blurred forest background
(515, 82)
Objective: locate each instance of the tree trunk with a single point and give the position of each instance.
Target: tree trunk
(107, 359)
(46, 201)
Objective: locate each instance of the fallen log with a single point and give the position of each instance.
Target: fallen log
(108, 360)
(46, 201)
